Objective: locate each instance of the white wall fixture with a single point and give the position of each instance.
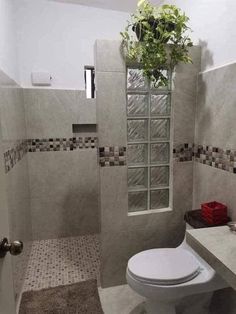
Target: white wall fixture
(41, 78)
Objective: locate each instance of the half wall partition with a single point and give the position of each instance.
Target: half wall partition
(131, 224)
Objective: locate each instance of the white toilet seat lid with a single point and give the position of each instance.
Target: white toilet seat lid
(164, 266)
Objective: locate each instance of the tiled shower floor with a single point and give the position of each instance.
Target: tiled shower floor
(62, 261)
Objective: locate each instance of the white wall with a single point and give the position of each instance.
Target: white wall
(213, 24)
(8, 55)
(59, 38)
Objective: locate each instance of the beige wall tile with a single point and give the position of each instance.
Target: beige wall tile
(108, 56)
(216, 114)
(86, 108)
(12, 114)
(215, 124)
(13, 128)
(111, 108)
(67, 183)
(211, 184)
(50, 112)
(184, 98)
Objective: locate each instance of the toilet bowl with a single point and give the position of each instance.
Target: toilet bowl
(165, 276)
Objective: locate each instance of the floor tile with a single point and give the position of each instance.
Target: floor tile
(62, 261)
(121, 300)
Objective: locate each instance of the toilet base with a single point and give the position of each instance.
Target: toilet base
(154, 307)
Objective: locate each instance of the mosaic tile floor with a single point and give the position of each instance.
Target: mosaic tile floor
(62, 261)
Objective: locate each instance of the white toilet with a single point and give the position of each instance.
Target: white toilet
(165, 276)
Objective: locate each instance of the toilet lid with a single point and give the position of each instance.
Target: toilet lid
(164, 266)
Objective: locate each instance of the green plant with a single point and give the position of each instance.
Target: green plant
(158, 42)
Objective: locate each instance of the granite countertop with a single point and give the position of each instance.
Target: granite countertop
(217, 246)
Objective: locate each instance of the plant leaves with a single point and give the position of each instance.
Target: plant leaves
(159, 39)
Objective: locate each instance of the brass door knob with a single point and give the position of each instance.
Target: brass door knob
(15, 247)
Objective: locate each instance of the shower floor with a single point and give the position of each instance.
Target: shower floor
(62, 261)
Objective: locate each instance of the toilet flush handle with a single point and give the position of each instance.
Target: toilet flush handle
(15, 247)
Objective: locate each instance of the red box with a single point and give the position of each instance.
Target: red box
(214, 206)
(218, 216)
(214, 213)
(216, 223)
(217, 219)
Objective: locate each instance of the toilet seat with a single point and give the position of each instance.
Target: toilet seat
(164, 266)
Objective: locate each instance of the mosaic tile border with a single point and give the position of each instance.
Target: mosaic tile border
(61, 144)
(224, 159)
(21, 148)
(112, 156)
(183, 152)
(13, 155)
(116, 155)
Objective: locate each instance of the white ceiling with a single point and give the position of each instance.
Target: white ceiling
(118, 5)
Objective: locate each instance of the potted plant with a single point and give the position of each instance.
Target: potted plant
(160, 41)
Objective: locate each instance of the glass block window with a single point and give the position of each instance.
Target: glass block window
(148, 150)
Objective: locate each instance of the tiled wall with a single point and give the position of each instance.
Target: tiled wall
(215, 138)
(183, 152)
(50, 113)
(13, 135)
(224, 159)
(123, 235)
(112, 156)
(63, 191)
(61, 144)
(62, 168)
(215, 134)
(14, 154)
(17, 151)
(51, 173)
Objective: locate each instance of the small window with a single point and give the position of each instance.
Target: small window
(89, 77)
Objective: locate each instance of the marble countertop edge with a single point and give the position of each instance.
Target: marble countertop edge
(217, 246)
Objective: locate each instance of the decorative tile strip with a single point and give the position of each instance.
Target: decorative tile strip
(216, 157)
(183, 152)
(112, 156)
(15, 154)
(61, 144)
(224, 159)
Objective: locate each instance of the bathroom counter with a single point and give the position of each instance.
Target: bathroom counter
(217, 245)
